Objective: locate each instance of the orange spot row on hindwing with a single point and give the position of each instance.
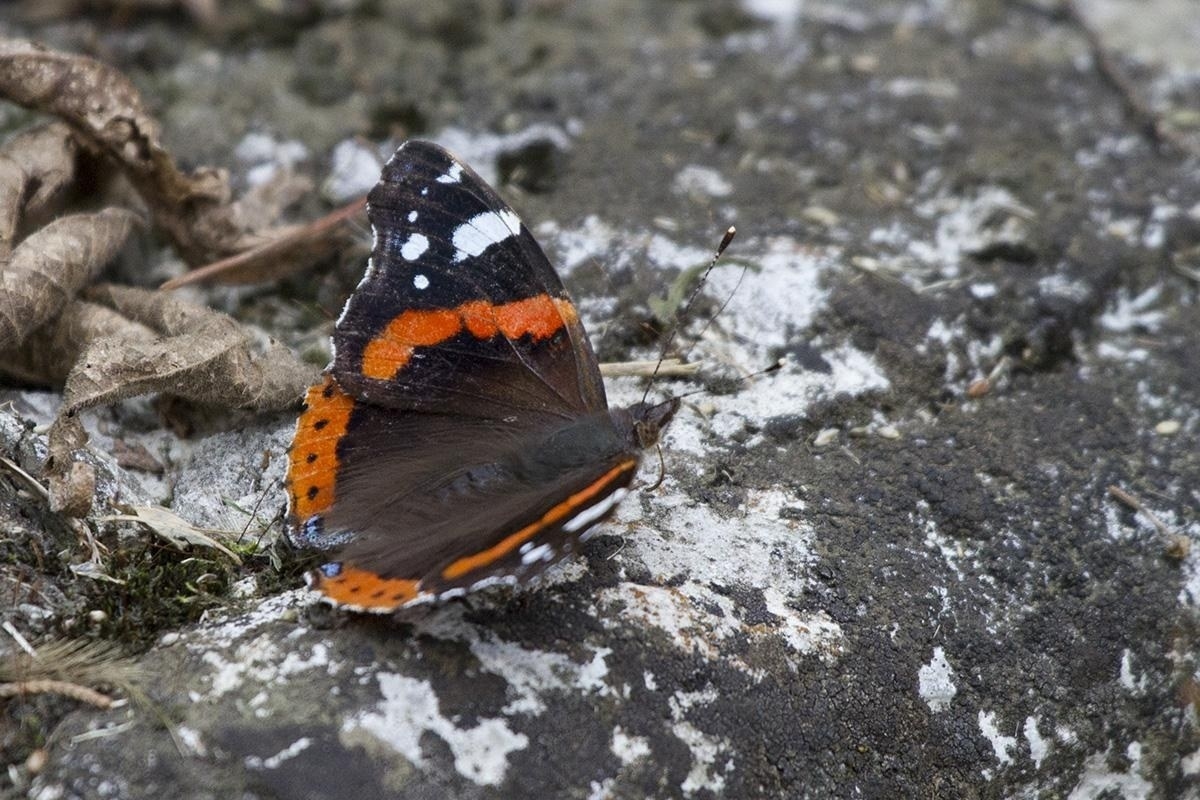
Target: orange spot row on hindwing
(313, 460)
(358, 587)
(389, 352)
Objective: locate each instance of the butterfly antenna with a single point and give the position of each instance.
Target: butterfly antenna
(681, 314)
(662, 470)
(767, 370)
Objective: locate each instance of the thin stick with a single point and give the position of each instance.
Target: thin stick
(33, 482)
(1136, 504)
(21, 641)
(66, 688)
(668, 366)
(312, 231)
(1177, 544)
(1144, 116)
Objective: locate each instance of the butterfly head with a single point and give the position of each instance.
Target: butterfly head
(649, 419)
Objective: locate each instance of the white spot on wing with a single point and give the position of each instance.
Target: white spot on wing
(593, 513)
(453, 176)
(414, 248)
(541, 553)
(412, 216)
(484, 230)
(420, 281)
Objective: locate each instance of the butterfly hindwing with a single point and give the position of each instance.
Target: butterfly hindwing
(426, 505)
(460, 306)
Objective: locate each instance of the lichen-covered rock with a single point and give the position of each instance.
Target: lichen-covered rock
(858, 579)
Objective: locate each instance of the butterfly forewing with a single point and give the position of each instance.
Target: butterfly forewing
(460, 305)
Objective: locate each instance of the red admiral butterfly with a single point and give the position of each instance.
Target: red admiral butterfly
(461, 436)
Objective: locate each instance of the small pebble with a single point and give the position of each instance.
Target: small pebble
(979, 388)
(36, 761)
(889, 432)
(826, 437)
(1168, 427)
(821, 216)
(97, 616)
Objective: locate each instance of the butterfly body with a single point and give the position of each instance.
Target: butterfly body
(461, 437)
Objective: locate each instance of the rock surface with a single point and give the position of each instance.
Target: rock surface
(867, 575)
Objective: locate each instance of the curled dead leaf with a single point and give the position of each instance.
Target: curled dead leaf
(12, 192)
(191, 352)
(36, 168)
(52, 265)
(105, 110)
(72, 494)
(199, 355)
(52, 350)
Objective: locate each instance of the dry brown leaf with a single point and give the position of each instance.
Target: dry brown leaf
(12, 195)
(206, 13)
(105, 110)
(37, 166)
(200, 355)
(193, 352)
(52, 350)
(52, 265)
(72, 494)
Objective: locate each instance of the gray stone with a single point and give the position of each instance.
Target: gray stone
(947, 603)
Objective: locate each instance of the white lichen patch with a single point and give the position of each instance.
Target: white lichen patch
(410, 708)
(709, 764)
(1098, 781)
(1001, 744)
(237, 655)
(1130, 314)
(530, 674)
(935, 682)
(754, 547)
(481, 149)
(353, 170)
(699, 180)
(806, 634)
(629, 748)
(1039, 747)
(286, 754)
(671, 610)
(533, 673)
(267, 156)
(966, 225)
(1128, 678)
(260, 661)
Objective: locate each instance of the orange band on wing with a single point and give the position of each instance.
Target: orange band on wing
(514, 540)
(313, 460)
(390, 351)
(363, 589)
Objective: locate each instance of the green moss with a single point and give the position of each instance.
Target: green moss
(160, 589)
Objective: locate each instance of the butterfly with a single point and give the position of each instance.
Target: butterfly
(461, 436)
